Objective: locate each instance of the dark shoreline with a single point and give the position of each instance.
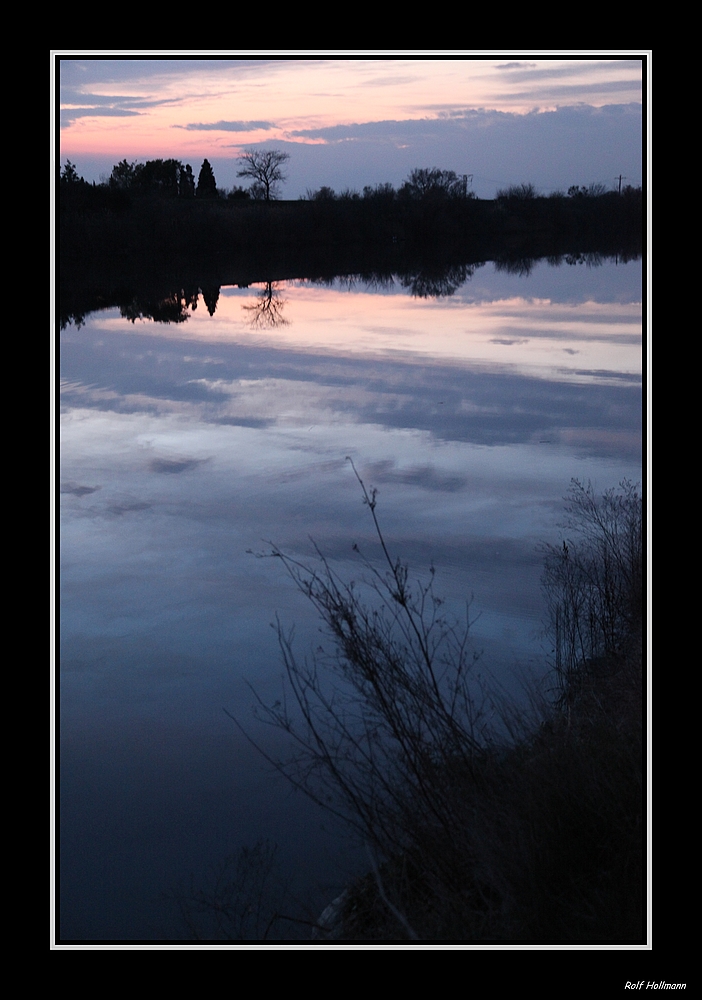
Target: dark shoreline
(110, 243)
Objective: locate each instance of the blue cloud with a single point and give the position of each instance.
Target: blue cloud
(226, 126)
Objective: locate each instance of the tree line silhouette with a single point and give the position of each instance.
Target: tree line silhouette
(155, 213)
(264, 168)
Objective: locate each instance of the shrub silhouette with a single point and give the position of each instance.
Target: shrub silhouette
(431, 182)
(593, 582)
(517, 192)
(527, 829)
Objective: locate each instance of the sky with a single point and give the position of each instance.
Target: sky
(359, 119)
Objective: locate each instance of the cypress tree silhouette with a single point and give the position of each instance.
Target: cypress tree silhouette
(186, 182)
(206, 184)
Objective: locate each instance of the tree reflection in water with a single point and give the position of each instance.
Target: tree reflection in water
(266, 312)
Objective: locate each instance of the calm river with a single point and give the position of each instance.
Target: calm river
(187, 446)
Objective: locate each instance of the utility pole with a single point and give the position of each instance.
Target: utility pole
(620, 182)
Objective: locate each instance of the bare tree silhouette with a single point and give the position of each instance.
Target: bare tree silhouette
(264, 167)
(267, 312)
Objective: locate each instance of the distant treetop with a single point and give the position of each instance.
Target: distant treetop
(431, 182)
(206, 184)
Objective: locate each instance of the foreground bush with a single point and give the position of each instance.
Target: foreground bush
(594, 582)
(528, 829)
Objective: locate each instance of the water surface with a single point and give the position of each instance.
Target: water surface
(187, 446)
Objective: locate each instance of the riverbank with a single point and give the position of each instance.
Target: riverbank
(101, 229)
(550, 841)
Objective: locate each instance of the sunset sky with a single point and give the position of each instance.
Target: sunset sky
(358, 119)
